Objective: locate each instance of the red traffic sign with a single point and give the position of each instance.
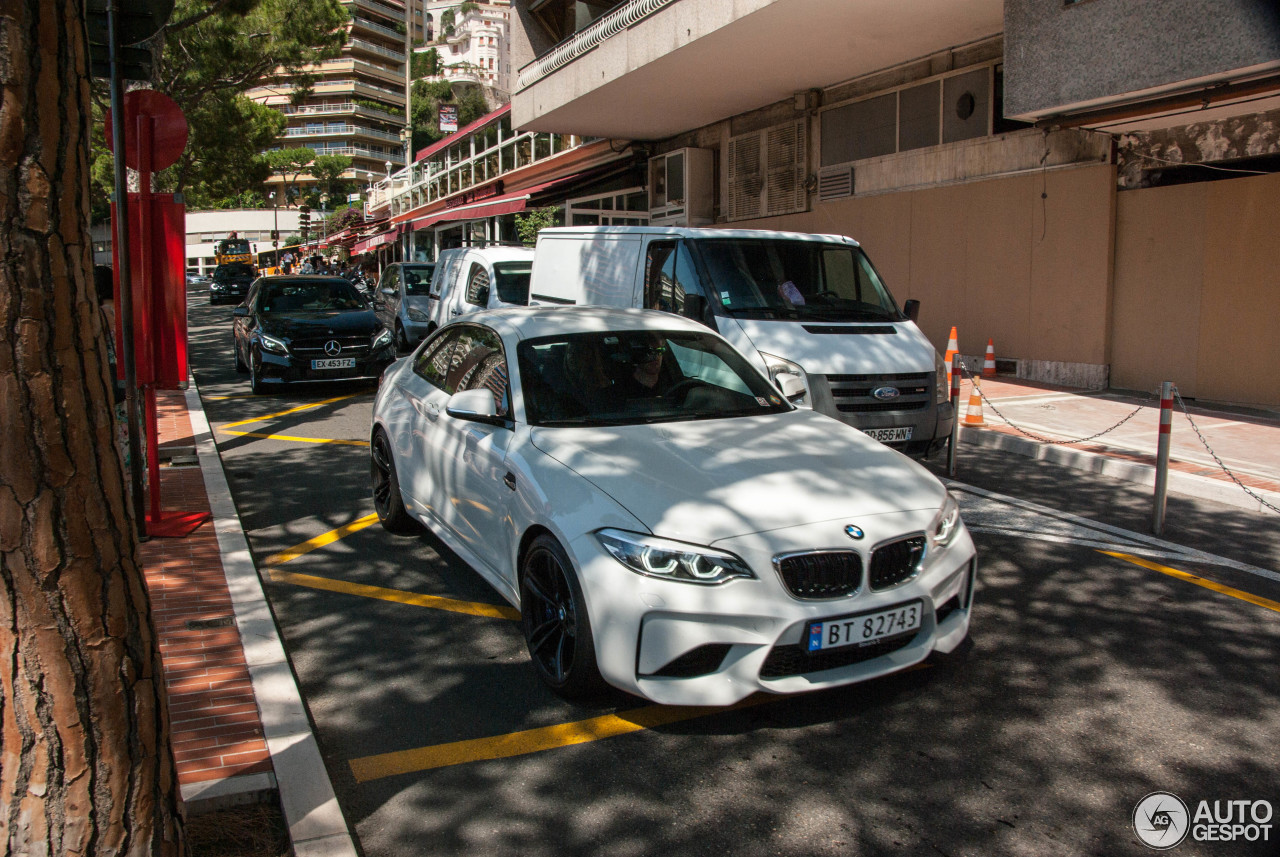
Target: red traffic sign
(168, 128)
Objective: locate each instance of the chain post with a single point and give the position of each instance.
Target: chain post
(1162, 457)
(955, 415)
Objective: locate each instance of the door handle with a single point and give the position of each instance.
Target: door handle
(509, 480)
(433, 410)
(455, 312)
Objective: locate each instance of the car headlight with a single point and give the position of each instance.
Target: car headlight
(418, 315)
(669, 560)
(946, 523)
(382, 339)
(778, 365)
(942, 389)
(270, 343)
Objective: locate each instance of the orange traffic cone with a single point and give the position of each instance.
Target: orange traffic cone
(952, 349)
(989, 364)
(973, 414)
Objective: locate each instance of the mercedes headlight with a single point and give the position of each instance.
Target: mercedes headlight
(779, 366)
(382, 339)
(946, 523)
(272, 344)
(418, 315)
(670, 560)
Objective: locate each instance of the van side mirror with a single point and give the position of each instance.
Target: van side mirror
(911, 309)
(695, 307)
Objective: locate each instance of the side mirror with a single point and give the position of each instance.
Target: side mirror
(241, 311)
(791, 386)
(695, 307)
(476, 405)
(911, 309)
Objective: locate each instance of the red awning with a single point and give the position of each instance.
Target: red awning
(376, 241)
(508, 203)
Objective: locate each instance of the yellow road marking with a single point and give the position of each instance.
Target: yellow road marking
(291, 411)
(264, 435)
(320, 541)
(1198, 581)
(416, 599)
(545, 738)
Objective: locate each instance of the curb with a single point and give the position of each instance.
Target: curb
(317, 827)
(1200, 487)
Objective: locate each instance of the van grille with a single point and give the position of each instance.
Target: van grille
(852, 393)
(821, 574)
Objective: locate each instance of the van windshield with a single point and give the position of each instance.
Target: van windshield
(512, 280)
(802, 280)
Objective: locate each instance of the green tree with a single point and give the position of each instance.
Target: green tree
(425, 99)
(425, 64)
(328, 170)
(533, 221)
(289, 164)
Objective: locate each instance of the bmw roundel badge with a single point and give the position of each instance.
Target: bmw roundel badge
(854, 532)
(883, 393)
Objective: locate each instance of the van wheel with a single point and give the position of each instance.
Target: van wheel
(553, 616)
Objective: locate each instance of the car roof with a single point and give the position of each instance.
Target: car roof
(538, 321)
(698, 232)
(493, 253)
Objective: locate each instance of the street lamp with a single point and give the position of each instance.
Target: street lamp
(275, 233)
(324, 217)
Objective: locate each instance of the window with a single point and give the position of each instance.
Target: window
(766, 172)
(433, 362)
(478, 285)
(668, 276)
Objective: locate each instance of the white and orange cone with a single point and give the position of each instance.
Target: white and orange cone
(973, 413)
(952, 349)
(989, 362)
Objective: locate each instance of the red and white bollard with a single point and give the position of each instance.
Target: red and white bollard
(1162, 456)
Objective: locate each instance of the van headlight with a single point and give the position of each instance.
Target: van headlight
(670, 560)
(946, 523)
(778, 366)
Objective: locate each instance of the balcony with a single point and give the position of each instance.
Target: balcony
(334, 129)
(358, 23)
(614, 78)
(369, 47)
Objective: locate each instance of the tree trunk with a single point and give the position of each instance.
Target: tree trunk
(85, 762)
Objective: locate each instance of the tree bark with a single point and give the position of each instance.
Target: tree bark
(86, 766)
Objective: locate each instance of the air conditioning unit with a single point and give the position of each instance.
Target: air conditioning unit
(681, 190)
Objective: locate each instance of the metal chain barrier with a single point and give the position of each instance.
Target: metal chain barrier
(1205, 443)
(1032, 435)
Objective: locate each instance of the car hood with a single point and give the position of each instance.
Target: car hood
(298, 324)
(707, 480)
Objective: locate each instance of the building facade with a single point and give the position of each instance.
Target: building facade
(1091, 184)
(357, 105)
(472, 42)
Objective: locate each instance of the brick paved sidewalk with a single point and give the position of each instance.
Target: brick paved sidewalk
(216, 729)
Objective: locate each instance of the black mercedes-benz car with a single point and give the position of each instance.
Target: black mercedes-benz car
(308, 328)
(230, 283)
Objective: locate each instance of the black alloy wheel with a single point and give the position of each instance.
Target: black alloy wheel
(387, 501)
(553, 616)
(240, 364)
(255, 373)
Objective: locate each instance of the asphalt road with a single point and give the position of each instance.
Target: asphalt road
(1090, 680)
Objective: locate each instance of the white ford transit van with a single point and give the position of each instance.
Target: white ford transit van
(807, 306)
(473, 278)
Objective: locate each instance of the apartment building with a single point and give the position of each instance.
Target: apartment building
(357, 104)
(473, 44)
(1094, 184)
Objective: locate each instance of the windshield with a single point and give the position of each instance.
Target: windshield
(513, 281)
(789, 279)
(417, 279)
(233, 246)
(325, 295)
(638, 376)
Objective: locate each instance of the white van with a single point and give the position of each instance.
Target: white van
(809, 306)
(467, 279)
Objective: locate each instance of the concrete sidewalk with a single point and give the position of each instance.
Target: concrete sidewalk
(1115, 433)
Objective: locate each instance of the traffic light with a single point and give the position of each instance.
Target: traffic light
(304, 220)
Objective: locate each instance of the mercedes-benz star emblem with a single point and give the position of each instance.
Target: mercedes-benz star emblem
(854, 532)
(333, 348)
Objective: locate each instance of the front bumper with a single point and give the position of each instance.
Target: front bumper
(684, 644)
(288, 368)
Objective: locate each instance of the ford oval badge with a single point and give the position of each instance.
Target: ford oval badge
(885, 393)
(854, 532)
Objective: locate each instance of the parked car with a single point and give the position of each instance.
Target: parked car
(474, 278)
(308, 328)
(230, 283)
(665, 520)
(811, 306)
(403, 301)
(195, 278)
